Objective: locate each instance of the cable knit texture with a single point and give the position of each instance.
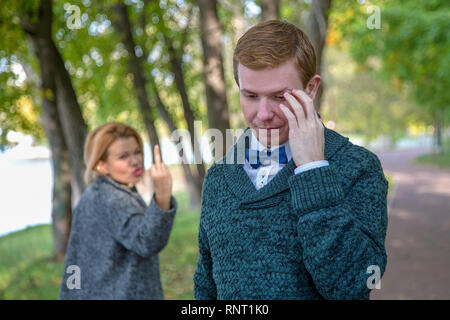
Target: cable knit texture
(312, 235)
(115, 240)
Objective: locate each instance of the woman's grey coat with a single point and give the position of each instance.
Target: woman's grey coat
(114, 244)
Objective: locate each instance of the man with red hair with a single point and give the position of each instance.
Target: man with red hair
(305, 215)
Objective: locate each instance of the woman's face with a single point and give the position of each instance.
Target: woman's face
(123, 162)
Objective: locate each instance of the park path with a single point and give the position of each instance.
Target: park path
(418, 235)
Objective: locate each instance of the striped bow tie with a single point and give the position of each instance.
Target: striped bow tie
(258, 158)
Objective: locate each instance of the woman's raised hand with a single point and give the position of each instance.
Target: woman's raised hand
(162, 180)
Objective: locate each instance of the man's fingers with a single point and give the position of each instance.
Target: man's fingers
(289, 116)
(296, 105)
(307, 102)
(157, 154)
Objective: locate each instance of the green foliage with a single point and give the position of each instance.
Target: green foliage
(19, 106)
(409, 56)
(412, 46)
(98, 62)
(177, 26)
(294, 12)
(361, 103)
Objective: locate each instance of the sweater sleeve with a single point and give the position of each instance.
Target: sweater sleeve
(342, 235)
(204, 285)
(144, 234)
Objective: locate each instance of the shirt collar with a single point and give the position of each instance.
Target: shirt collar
(256, 145)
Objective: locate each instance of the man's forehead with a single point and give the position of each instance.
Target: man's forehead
(265, 85)
(275, 89)
(270, 80)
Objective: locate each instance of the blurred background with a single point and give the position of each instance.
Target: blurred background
(161, 66)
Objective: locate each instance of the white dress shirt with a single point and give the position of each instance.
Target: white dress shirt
(262, 175)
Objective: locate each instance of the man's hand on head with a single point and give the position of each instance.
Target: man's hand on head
(306, 131)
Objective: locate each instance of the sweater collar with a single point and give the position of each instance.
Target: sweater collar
(239, 182)
(101, 179)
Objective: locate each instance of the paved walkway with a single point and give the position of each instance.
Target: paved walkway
(418, 235)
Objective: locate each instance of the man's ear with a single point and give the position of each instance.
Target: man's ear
(313, 86)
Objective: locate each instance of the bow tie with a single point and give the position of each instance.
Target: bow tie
(257, 158)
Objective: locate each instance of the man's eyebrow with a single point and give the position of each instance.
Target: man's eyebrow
(274, 92)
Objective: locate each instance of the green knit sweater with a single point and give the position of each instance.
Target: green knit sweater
(314, 235)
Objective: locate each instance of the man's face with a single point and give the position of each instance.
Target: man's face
(261, 92)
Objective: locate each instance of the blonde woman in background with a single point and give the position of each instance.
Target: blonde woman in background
(115, 237)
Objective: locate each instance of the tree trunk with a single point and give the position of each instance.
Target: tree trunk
(71, 119)
(438, 131)
(140, 82)
(61, 199)
(317, 31)
(38, 37)
(62, 191)
(73, 124)
(195, 194)
(216, 96)
(270, 10)
(123, 25)
(177, 69)
(238, 21)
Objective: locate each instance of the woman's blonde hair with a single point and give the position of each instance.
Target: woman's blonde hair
(98, 142)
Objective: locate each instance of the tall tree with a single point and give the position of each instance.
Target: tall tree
(177, 69)
(123, 24)
(317, 28)
(35, 18)
(270, 10)
(61, 209)
(238, 20)
(39, 33)
(216, 95)
(136, 66)
(176, 66)
(192, 184)
(312, 17)
(60, 156)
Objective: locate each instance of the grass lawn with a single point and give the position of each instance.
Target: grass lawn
(441, 160)
(27, 270)
(390, 180)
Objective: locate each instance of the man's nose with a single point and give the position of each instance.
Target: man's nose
(265, 110)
